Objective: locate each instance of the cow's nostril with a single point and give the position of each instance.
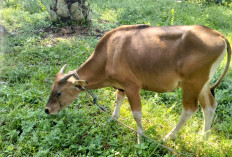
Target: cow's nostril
(46, 111)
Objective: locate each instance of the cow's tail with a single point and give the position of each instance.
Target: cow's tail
(226, 67)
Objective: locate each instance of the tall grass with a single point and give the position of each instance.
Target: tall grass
(32, 57)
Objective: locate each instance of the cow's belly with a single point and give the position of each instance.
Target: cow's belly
(162, 84)
(161, 88)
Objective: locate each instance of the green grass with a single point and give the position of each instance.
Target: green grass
(30, 58)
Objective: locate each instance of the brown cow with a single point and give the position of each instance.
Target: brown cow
(160, 59)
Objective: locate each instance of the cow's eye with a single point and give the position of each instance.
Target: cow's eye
(58, 94)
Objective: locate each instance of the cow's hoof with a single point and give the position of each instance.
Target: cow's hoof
(169, 136)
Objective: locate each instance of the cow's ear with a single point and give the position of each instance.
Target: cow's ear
(81, 84)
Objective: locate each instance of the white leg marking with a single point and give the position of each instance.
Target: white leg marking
(119, 101)
(208, 109)
(183, 119)
(216, 64)
(208, 117)
(138, 118)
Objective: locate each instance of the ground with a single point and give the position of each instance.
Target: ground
(34, 51)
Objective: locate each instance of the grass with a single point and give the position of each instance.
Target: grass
(30, 57)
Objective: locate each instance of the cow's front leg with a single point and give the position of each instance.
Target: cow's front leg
(119, 100)
(135, 103)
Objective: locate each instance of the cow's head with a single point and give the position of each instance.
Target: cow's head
(65, 89)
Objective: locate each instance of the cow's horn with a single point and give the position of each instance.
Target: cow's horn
(65, 78)
(62, 69)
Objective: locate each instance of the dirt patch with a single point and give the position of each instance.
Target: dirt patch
(70, 31)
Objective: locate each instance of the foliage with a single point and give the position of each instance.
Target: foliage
(212, 1)
(32, 57)
(32, 6)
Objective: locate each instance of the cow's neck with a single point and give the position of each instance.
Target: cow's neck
(93, 72)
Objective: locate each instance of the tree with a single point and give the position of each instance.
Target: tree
(74, 10)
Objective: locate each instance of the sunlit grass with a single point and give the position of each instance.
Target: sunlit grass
(32, 59)
(109, 16)
(158, 121)
(20, 20)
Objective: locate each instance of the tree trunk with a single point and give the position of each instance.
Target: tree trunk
(74, 10)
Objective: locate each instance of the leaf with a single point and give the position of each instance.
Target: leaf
(10, 148)
(73, 146)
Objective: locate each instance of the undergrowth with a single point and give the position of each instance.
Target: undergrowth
(30, 58)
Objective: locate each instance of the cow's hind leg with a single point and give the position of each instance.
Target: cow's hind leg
(208, 104)
(133, 95)
(119, 100)
(190, 106)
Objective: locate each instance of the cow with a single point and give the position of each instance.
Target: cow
(160, 59)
